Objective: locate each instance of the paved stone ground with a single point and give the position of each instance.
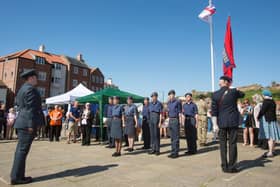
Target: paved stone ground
(59, 164)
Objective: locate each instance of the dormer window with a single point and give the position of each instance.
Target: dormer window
(40, 60)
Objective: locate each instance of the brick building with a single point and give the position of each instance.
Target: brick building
(78, 71)
(96, 79)
(57, 74)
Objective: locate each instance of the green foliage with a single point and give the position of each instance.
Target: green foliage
(275, 94)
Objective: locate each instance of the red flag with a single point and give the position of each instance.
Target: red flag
(228, 60)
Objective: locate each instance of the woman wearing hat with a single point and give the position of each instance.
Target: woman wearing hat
(117, 124)
(131, 120)
(269, 128)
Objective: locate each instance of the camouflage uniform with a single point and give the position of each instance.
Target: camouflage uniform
(202, 122)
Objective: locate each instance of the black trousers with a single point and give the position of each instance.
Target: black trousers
(228, 136)
(3, 126)
(111, 140)
(155, 132)
(191, 134)
(174, 128)
(47, 130)
(146, 133)
(55, 132)
(25, 139)
(86, 134)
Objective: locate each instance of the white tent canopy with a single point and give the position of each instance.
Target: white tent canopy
(70, 96)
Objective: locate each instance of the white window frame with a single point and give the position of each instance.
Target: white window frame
(76, 70)
(42, 76)
(75, 82)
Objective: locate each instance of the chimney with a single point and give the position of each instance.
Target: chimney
(109, 81)
(42, 48)
(80, 57)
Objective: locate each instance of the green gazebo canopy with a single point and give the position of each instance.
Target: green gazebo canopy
(101, 98)
(104, 94)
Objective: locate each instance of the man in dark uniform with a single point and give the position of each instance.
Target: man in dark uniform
(108, 114)
(225, 113)
(174, 109)
(30, 116)
(145, 124)
(190, 112)
(155, 110)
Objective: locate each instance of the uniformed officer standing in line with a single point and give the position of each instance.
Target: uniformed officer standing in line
(145, 124)
(202, 121)
(30, 117)
(117, 125)
(190, 114)
(108, 114)
(174, 107)
(225, 113)
(131, 122)
(155, 109)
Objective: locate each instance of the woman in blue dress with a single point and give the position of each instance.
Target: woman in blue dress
(269, 128)
(117, 125)
(131, 120)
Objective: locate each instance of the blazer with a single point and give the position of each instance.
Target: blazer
(268, 110)
(89, 117)
(30, 114)
(224, 107)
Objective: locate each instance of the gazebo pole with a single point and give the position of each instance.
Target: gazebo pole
(101, 118)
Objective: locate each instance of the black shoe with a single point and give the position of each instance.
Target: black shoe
(233, 170)
(157, 153)
(190, 153)
(173, 156)
(108, 146)
(225, 170)
(130, 150)
(25, 180)
(116, 154)
(146, 148)
(152, 152)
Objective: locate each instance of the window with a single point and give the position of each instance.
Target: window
(101, 80)
(76, 70)
(40, 60)
(42, 76)
(85, 72)
(74, 82)
(56, 80)
(57, 66)
(93, 78)
(42, 91)
(12, 74)
(84, 83)
(97, 79)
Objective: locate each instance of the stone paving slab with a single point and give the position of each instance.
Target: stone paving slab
(59, 164)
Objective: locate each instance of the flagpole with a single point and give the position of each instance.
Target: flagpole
(212, 51)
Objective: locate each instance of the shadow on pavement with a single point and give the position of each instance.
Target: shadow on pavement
(77, 172)
(248, 164)
(207, 149)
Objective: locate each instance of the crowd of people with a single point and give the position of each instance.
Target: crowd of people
(123, 121)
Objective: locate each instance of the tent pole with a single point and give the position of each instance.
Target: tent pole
(101, 119)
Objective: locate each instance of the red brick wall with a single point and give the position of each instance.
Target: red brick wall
(8, 73)
(80, 77)
(97, 85)
(30, 64)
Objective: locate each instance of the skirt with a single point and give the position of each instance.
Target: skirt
(116, 128)
(269, 130)
(130, 129)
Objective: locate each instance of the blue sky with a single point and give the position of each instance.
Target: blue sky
(147, 45)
